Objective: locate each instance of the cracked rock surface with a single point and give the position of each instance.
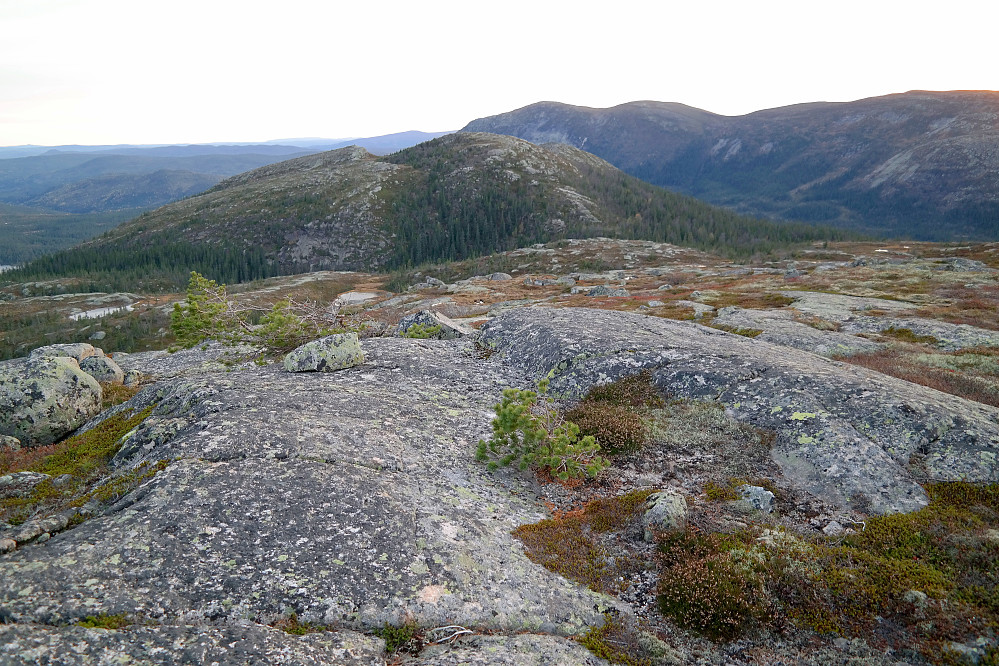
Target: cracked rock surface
(351, 499)
(853, 437)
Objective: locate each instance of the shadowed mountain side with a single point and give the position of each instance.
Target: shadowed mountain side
(919, 164)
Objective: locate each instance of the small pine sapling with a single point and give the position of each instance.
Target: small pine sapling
(529, 431)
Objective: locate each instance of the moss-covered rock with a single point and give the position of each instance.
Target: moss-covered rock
(44, 398)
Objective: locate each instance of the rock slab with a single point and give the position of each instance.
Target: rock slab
(851, 436)
(333, 352)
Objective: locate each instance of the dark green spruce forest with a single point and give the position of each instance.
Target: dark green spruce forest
(446, 200)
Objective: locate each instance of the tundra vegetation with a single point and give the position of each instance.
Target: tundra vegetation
(923, 585)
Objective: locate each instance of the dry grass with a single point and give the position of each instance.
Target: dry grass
(976, 380)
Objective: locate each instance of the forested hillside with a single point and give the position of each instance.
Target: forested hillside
(921, 165)
(455, 197)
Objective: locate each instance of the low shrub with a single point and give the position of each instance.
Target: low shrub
(616, 429)
(566, 544)
(529, 431)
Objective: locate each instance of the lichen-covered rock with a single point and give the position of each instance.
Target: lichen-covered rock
(447, 328)
(605, 290)
(851, 436)
(499, 277)
(20, 484)
(146, 645)
(103, 369)
(131, 377)
(43, 398)
(351, 499)
(77, 350)
(780, 328)
(333, 352)
(667, 510)
(516, 650)
(757, 498)
(8, 443)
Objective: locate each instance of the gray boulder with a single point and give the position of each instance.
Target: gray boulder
(131, 377)
(20, 484)
(780, 328)
(8, 443)
(333, 352)
(497, 277)
(76, 350)
(103, 369)
(851, 436)
(757, 498)
(449, 329)
(667, 510)
(605, 290)
(43, 398)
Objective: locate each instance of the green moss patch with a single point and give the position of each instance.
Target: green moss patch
(929, 577)
(105, 621)
(78, 467)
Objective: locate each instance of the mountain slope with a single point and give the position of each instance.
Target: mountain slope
(457, 196)
(920, 164)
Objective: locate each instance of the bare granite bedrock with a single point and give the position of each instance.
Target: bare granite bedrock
(351, 499)
(853, 437)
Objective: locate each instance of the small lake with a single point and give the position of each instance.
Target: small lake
(353, 297)
(99, 312)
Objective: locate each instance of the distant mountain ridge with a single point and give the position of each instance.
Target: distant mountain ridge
(455, 197)
(919, 164)
(84, 189)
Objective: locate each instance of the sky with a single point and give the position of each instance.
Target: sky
(183, 71)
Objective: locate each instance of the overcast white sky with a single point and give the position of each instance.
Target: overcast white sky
(185, 71)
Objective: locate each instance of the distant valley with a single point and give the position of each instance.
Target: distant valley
(923, 165)
(52, 198)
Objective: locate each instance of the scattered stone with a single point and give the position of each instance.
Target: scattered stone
(656, 304)
(449, 329)
(131, 377)
(834, 528)
(605, 290)
(76, 350)
(565, 281)
(498, 277)
(103, 369)
(541, 281)
(8, 443)
(98, 335)
(20, 484)
(43, 398)
(700, 309)
(667, 510)
(963, 265)
(759, 498)
(328, 354)
(664, 287)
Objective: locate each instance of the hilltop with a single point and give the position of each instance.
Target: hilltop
(817, 437)
(455, 197)
(919, 164)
